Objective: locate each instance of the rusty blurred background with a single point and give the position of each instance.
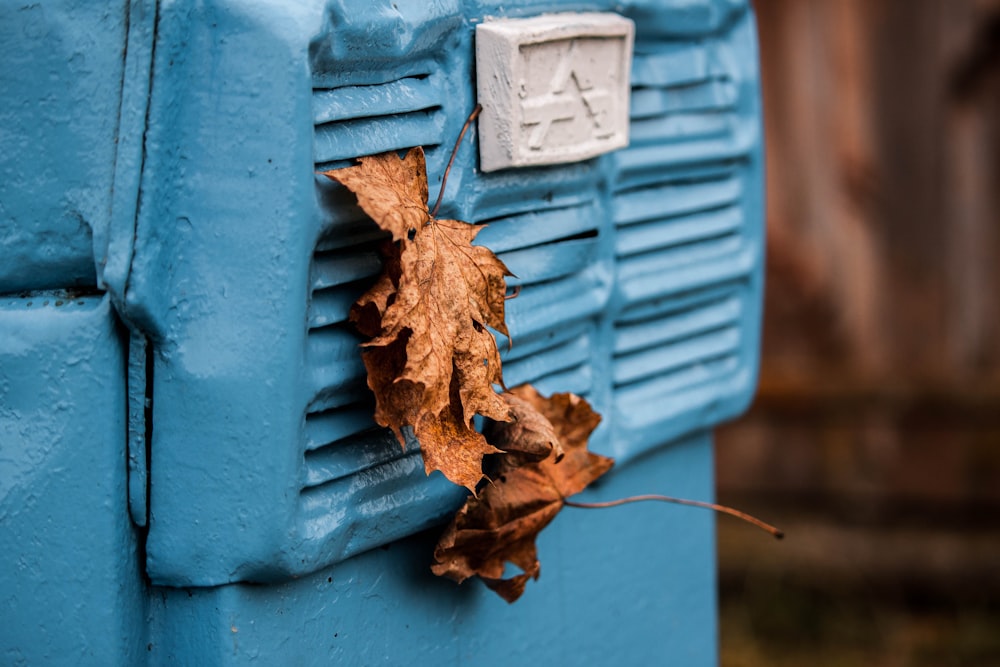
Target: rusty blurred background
(875, 437)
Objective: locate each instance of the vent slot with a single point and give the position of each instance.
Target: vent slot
(356, 120)
(709, 96)
(690, 342)
(685, 113)
(337, 423)
(667, 65)
(662, 345)
(688, 322)
(374, 506)
(338, 402)
(531, 190)
(541, 308)
(684, 269)
(669, 200)
(369, 448)
(539, 226)
(668, 359)
(681, 93)
(566, 352)
(406, 95)
(554, 253)
(660, 399)
(680, 236)
(674, 232)
(333, 366)
(338, 277)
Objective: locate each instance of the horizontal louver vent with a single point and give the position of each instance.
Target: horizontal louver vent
(550, 239)
(684, 253)
(632, 277)
(341, 438)
(351, 121)
(681, 93)
(555, 255)
(340, 406)
(348, 460)
(685, 112)
(664, 348)
(353, 470)
(677, 245)
(677, 237)
(686, 355)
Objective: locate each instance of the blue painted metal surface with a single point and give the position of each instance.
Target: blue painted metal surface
(71, 585)
(617, 588)
(164, 158)
(60, 92)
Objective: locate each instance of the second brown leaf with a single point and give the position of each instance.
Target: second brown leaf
(501, 524)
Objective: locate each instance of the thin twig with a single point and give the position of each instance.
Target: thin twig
(766, 527)
(454, 152)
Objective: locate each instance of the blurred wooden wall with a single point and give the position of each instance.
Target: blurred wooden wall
(883, 139)
(874, 440)
(880, 382)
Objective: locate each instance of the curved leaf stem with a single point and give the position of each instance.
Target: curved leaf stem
(454, 152)
(766, 527)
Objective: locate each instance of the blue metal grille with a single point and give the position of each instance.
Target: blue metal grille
(639, 275)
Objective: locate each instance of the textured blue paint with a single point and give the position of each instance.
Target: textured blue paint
(60, 87)
(71, 589)
(162, 156)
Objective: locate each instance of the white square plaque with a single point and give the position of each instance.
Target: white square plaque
(554, 88)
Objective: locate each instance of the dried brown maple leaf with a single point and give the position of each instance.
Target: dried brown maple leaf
(432, 361)
(501, 524)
